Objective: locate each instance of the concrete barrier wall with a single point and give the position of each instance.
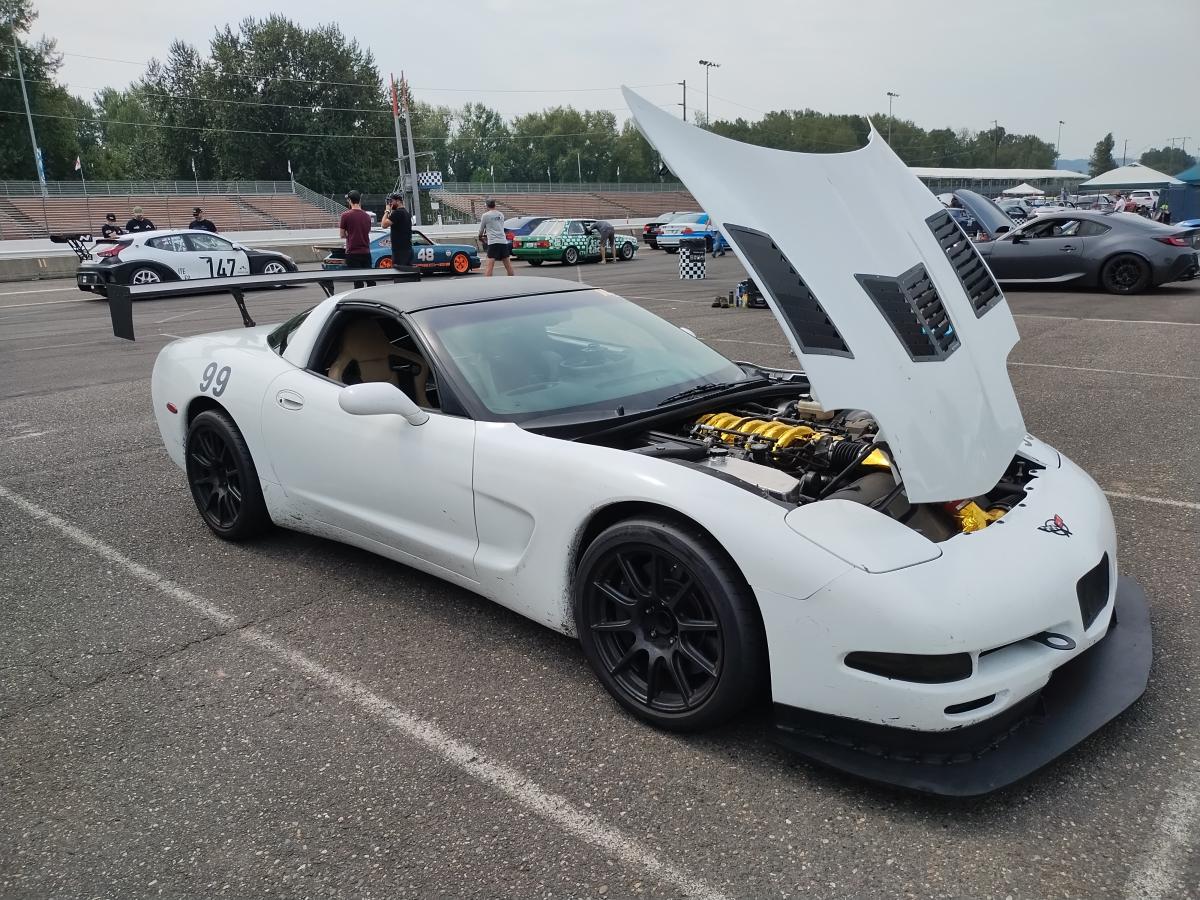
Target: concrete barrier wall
(40, 259)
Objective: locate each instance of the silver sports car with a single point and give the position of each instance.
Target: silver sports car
(1120, 252)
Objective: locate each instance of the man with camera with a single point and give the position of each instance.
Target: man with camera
(399, 221)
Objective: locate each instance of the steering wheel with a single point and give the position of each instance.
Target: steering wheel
(530, 388)
(591, 357)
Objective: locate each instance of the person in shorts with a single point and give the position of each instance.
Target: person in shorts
(608, 238)
(491, 234)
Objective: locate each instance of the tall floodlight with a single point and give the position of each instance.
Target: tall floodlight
(708, 64)
(891, 95)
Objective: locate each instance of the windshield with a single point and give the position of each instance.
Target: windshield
(687, 217)
(549, 228)
(525, 358)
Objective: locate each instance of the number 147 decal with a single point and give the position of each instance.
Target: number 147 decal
(221, 267)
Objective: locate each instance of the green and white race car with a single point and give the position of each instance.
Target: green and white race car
(569, 241)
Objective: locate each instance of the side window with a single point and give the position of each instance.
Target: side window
(575, 228)
(361, 346)
(1092, 229)
(1043, 229)
(210, 243)
(171, 242)
(419, 240)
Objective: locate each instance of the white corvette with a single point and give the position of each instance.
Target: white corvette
(927, 594)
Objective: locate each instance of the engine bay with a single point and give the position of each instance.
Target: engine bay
(794, 452)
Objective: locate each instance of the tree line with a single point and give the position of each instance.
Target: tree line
(269, 91)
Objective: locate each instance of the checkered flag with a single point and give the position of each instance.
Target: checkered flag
(691, 266)
(429, 180)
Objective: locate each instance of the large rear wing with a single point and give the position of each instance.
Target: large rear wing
(121, 297)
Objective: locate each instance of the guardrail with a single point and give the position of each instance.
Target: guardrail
(124, 188)
(565, 187)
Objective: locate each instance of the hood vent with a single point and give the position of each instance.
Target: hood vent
(969, 266)
(913, 308)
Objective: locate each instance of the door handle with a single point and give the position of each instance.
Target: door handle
(289, 400)
(1066, 249)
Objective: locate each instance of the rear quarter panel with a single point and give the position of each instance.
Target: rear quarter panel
(188, 375)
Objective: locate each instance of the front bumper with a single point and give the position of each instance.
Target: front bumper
(1081, 696)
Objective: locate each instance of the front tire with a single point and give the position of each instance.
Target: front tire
(535, 262)
(223, 479)
(671, 249)
(669, 625)
(460, 264)
(626, 252)
(1125, 273)
(570, 256)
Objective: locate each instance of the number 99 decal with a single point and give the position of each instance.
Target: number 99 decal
(217, 379)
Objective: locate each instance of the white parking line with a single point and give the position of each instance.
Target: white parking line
(507, 780)
(1111, 321)
(60, 346)
(48, 303)
(1159, 874)
(1107, 371)
(38, 291)
(1162, 501)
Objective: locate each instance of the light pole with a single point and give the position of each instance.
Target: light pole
(708, 64)
(996, 148)
(1058, 145)
(683, 84)
(891, 95)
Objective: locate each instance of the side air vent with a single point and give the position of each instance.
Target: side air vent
(778, 278)
(1092, 590)
(913, 308)
(972, 272)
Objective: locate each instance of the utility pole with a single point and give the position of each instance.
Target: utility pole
(996, 148)
(578, 168)
(683, 84)
(1125, 153)
(37, 154)
(891, 95)
(1058, 143)
(412, 152)
(708, 64)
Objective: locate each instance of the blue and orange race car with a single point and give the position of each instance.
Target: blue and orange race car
(458, 259)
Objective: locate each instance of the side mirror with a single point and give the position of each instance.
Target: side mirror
(1019, 239)
(378, 398)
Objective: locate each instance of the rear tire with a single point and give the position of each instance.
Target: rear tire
(223, 479)
(671, 249)
(145, 275)
(570, 256)
(535, 262)
(1125, 273)
(669, 625)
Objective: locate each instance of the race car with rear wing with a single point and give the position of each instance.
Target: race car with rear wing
(927, 594)
(181, 254)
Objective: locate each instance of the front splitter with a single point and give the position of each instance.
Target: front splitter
(1081, 697)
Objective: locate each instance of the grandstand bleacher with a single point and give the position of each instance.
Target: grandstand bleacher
(27, 214)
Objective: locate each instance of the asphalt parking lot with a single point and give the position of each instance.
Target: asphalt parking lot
(294, 718)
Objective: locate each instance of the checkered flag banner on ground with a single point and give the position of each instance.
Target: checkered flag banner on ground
(691, 266)
(429, 180)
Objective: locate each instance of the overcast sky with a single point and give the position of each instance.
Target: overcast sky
(1100, 65)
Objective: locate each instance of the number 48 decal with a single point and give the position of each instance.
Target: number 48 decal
(224, 266)
(217, 379)
(425, 254)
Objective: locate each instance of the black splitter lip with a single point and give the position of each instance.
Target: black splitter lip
(1081, 697)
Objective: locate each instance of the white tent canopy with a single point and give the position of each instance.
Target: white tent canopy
(1134, 175)
(1023, 190)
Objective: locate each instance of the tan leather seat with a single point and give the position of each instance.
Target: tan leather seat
(365, 345)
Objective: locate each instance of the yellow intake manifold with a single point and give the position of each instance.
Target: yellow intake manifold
(780, 434)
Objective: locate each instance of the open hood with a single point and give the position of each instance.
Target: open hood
(884, 300)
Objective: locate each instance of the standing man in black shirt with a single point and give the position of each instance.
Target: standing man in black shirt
(199, 223)
(138, 222)
(399, 220)
(110, 228)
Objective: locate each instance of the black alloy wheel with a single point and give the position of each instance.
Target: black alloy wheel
(668, 624)
(1125, 274)
(223, 479)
